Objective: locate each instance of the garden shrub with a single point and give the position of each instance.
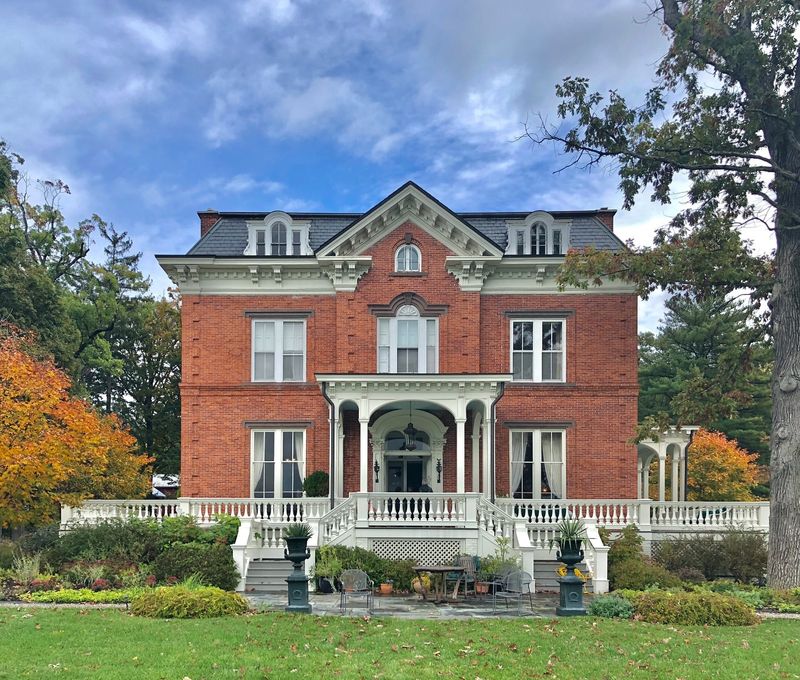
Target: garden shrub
(628, 546)
(126, 540)
(212, 562)
(693, 609)
(26, 568)
(380, 570)
(7, 552)
(639, 574)
(690, 575)
(738, 553)
(183, 602)
(745, 554)
(83, 595)
(40, 540)
(610, 607)
(224, 530)
(316, 485)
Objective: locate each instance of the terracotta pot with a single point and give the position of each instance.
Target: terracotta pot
(386, 588)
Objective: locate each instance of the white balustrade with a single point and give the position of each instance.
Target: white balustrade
(609, 513)
(709, 514)
(426, 508)
(337, 521)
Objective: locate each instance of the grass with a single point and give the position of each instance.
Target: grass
(111, 644)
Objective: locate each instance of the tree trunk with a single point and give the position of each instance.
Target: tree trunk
(784, 522)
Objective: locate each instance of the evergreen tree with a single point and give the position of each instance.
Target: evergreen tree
(708, 366)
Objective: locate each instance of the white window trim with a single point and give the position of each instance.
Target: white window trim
(537, 350)
(525, 226)
(278, 350)
(537, 460)
(422, 344)
(278, 458)
(266, 226)
(397, 255)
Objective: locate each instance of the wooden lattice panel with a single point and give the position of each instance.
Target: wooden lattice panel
(426, 551)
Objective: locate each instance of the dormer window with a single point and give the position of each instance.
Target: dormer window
(537, 235)
(278, 243)
(408, 259)
(277, 235)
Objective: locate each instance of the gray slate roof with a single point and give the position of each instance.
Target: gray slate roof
(228, 237)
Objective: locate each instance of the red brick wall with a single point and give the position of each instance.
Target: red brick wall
(599, 399)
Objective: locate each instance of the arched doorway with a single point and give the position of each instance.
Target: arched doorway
(408, 459)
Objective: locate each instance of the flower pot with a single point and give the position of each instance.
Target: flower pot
(482, 588)
(386, 588)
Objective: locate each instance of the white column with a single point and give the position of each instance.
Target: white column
(639, 481)
(476, 451)
(683, 472)
(661, 475)
(363, 460)
(340, 461)
(460, 487)
(646, 478)
(675, 474)
(487, 431)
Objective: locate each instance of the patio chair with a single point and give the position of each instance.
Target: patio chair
(468, 578)
(516, 586)
(355, 583)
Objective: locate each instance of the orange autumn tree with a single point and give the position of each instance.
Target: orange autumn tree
(718, 470)
(54, 447)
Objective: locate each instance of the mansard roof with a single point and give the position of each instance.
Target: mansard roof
(487, 230)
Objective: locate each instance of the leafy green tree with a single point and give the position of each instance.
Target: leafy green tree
(148, 397)
(725, 113)
(708, 367)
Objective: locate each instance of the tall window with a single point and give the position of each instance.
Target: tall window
(278, 245)
(538, 467)
(261, 242)
(538, 350)
(538, 239)
(408, 343)
(278, 466)
(407, 259)
(555, 236)
(279, 351)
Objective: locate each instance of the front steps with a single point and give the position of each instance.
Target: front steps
(267, 576)
(544, 573)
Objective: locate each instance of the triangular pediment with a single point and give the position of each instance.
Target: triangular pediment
(410, 203)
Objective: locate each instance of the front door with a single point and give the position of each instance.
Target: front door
(404, 474)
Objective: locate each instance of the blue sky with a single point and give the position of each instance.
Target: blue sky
(151, 111)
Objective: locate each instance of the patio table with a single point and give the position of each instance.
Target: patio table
(438, 573)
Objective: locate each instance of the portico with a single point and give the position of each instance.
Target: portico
(404, 425)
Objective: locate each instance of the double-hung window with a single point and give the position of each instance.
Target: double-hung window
(538, 464)
(278, 463)
(538, 350)
(408, 342)
(279, 350)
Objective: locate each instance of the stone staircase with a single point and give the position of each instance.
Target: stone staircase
(544, 571)
(267, 576)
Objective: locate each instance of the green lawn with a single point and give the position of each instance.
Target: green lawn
(106, 644)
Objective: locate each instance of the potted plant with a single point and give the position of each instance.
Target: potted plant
(326, 569)
(387, 587)
(571, 534)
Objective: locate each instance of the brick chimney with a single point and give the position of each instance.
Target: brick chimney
(208, 218)
(606, 216)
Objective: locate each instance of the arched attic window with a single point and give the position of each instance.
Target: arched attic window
(539, 239)
(278, 239)
(408, 259)
(539, 234)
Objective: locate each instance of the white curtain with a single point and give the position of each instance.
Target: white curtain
(517, 460)
(553, 462)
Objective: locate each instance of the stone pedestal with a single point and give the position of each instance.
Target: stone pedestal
(570, 599)
(297, 581)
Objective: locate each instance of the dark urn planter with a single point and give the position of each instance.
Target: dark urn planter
(297, 581)
(570, 599)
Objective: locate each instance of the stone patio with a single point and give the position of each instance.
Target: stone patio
(412, 607)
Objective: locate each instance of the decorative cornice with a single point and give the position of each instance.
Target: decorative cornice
(343, 271)
(408, 299)
(471, 272)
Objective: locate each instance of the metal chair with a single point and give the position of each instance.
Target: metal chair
(355, 583)
(516, 585)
